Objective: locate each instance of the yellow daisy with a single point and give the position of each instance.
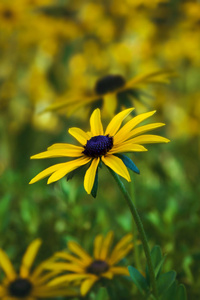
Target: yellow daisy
(101, 146)
(28, 285)
(112, 92)
(80, 267)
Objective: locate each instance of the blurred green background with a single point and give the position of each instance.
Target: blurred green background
(52, 50)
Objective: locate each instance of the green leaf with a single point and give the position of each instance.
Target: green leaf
(170, 293)
(129, 163)
(157, 260)
(95, 186)
(102, 294)
(138, 279)
(165, 281)
(181, 293)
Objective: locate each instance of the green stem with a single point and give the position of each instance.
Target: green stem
(140, 228)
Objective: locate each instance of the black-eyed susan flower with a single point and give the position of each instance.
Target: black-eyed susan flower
(113, 92)
(28, 285)
(78, 266)
(101, 146)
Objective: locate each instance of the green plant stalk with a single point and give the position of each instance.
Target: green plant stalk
(140, 228)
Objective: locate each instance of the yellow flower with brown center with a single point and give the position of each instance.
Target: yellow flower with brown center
(101, 146)
(84, 269)
(28, 285)
(112, 92)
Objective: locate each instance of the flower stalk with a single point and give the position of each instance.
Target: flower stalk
(140, 228)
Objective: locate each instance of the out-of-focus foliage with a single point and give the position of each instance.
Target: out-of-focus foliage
(52, 50)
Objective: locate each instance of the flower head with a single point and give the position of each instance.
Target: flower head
(101, 146)
(80, 267)
(113, 91)
(28, 285)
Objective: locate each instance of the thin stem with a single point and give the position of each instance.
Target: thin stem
(140, 228)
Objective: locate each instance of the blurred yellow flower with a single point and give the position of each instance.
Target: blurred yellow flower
(84, 269)
(28, 285)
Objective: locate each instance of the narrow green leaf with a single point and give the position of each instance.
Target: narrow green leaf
(102, 294)
(95, 186)
(138, 279)
(129, 163)
(165, 281)
(170, 293)
(181, 293)
(157, 260)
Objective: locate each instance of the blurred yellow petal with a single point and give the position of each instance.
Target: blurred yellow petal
(63, 266)
(143, 129)
(95, 123)
(106, 245)
(87, 284)
(119, 271)
(68, 167)
(59, 153)
(7, 266)
(67, 278)
(109, 104)
(29, 257)
(70, 257)
(119, 254)
(117, 165)
(97, 246)
(90, 175)
(78, 250)
(116, 122)
(80, 135)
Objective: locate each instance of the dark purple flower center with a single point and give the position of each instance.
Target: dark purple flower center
(20, 287)
(109, 83)
(97, 267)
(98, 145)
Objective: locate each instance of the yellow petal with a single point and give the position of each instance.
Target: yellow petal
(78, 250)
(95, 123)
(109, 104)
(79, 135)
(106, 245)
(119, 270)
(90, 175)
(47, 172)
(116, 256)
(117, 165)
(63, 266)
(68, 167)
(143, 129)
(7, 266)
(64, 146)
(116, 122)
(59, 153)
(122, 133)
(97, 246)
(127, 147)
(149, 139)
(127, 239)
(70, 258)
(67, 278)
(87, 284)
(29, 257)
(108, 274)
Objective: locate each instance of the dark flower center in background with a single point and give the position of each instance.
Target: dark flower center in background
(109, 83)
(7, 14)
(98, 145)
(20, 287)
(97, 267)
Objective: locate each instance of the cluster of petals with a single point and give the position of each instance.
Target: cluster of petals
(128, 138)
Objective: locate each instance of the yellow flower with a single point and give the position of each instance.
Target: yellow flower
(28, 285)
(101, 146)
(86, 270)
(113, 92)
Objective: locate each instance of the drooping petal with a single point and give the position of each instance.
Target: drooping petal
(59, 153)
(68, 167)
(29, 257)
(109, 104)
(79, 135)
(78, 250)
(121, 135)
(119, 271)
(47, 172)
(90, 175)
(127, 147)
(97, 246)
(117, 165)
(95, 123)
(149, 139)
(116, 122)
(7, 266)
(106, 245)
(87, 284)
